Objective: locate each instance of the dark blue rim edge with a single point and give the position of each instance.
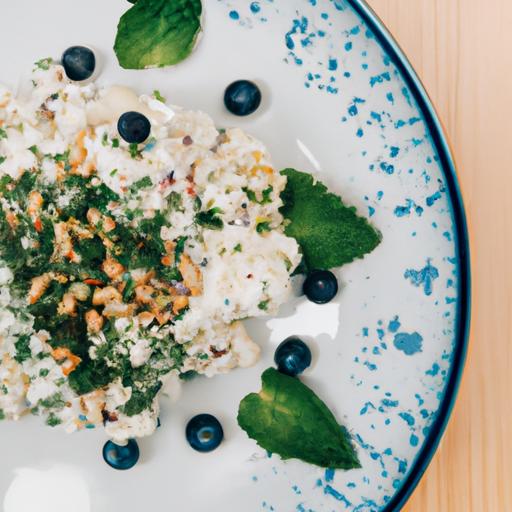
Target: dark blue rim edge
(447, 163)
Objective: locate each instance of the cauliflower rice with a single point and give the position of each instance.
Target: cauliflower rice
(149, 284)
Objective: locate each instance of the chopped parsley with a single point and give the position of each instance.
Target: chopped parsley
(175, 202)
(22, 346)
(265, 195)
(2, 159)
(237, 248)
(53, 420)
(263, 226)
(141, 184)
(134, 150)
(3, 134)
(180, 247)
(44, 64)
(210, 219)
(158, 96)
(55, 401)
(263, 305)
(115, 143)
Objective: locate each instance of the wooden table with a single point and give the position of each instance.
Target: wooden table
(462, 49)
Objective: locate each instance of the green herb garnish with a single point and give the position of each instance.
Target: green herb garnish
(157, 33)
(263, 305)
(44, 64)
(134, 150)
(263, 226)
(141, 184)
(158, 96)
(209, 219)
(286, 417)
(22, 346)
(53, 420)
(329, 232)
(265, 195)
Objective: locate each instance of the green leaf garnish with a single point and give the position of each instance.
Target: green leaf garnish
(157, 33)
(288, 418)
(329, 232)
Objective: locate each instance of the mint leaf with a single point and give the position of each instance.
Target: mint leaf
(329, 232)
(287, 418)
(157, 33)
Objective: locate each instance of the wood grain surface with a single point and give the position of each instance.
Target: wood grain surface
(462, 50)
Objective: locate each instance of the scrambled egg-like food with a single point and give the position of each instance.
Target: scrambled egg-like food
(125, 268)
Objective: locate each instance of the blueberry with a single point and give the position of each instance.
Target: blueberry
(204, 432)
(79, 63)
(134, 127)
(292, 356)
(121, 457)
(321, 286)
(242, 98)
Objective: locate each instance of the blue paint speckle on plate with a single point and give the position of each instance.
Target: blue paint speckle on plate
(336, 495)
(433, 198)
(394, 324)
(407, 209)
(234, 15)
(409, 344)
(434, 370)
(408, 418)
(379, 79)
(329, 474)
(424, 277)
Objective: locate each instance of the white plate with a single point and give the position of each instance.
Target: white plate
(341, 102)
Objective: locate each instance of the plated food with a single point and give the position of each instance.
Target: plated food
(135, 238)
(338, 103)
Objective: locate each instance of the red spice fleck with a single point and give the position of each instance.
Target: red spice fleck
(108, 416)
(249, 276)
(187, 140)
(94, 282)
(218, 353)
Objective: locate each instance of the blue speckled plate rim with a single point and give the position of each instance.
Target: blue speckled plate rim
(446, 159)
